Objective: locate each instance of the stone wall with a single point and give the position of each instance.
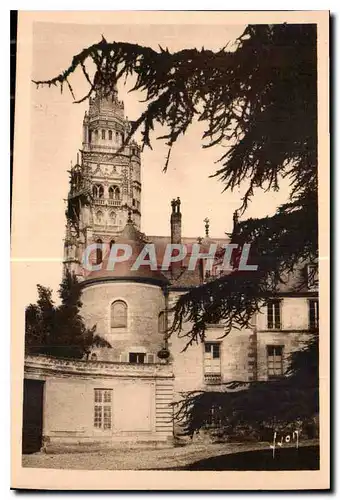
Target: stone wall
(243, 352)
(144, 303)
(141, 402)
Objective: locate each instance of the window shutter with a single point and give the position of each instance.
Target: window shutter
(270, 315)
(150, 358)
(124, 357)
(277, 315)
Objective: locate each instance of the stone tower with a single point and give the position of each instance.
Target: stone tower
(105, 183)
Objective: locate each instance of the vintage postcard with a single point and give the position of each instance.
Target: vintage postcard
(170, 251)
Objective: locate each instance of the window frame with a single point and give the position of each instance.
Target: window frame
(114, 192)
(138, 355)
(275, 376)
(212, 361)
(98, 191)
(313, 286)
(316, 314)
(100, 407)
(162, 326)
(274, 303)
(119, 326)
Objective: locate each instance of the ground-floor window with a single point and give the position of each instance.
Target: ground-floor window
(102, 409)
(274, 361)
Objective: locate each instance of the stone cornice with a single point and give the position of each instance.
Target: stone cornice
(41, 367)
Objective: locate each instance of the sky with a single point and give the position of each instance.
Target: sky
(56, 135)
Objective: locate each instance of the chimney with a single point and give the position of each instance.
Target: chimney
(176, 234)
(176, 221)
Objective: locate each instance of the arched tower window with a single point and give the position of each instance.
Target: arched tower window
(103, 135)
(118, 314)
(112, 242)
(96, 135)
(110, 135)
(161, 322)
(99, 251)
(90, 136)
(114, 193)
(98, 191)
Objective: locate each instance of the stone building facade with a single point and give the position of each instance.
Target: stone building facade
(125, 393)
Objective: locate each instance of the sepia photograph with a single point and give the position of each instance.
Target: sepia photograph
(170, 251)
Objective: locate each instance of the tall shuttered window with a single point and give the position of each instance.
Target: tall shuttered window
(273, 315)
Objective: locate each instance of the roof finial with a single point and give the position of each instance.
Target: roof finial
(77, 158)
(206, 220)
(173, 205)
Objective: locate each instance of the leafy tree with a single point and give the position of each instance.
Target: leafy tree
(259, 101)
(40, 321)
(60, 331)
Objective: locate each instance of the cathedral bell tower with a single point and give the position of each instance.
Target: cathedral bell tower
(105, 183)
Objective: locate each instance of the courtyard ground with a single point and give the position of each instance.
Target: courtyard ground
(185, 457)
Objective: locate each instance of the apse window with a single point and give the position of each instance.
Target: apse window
(162, 322)
(274, 315)
(137, 357)
(118, 314)
(275, 361)
(102, 409)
